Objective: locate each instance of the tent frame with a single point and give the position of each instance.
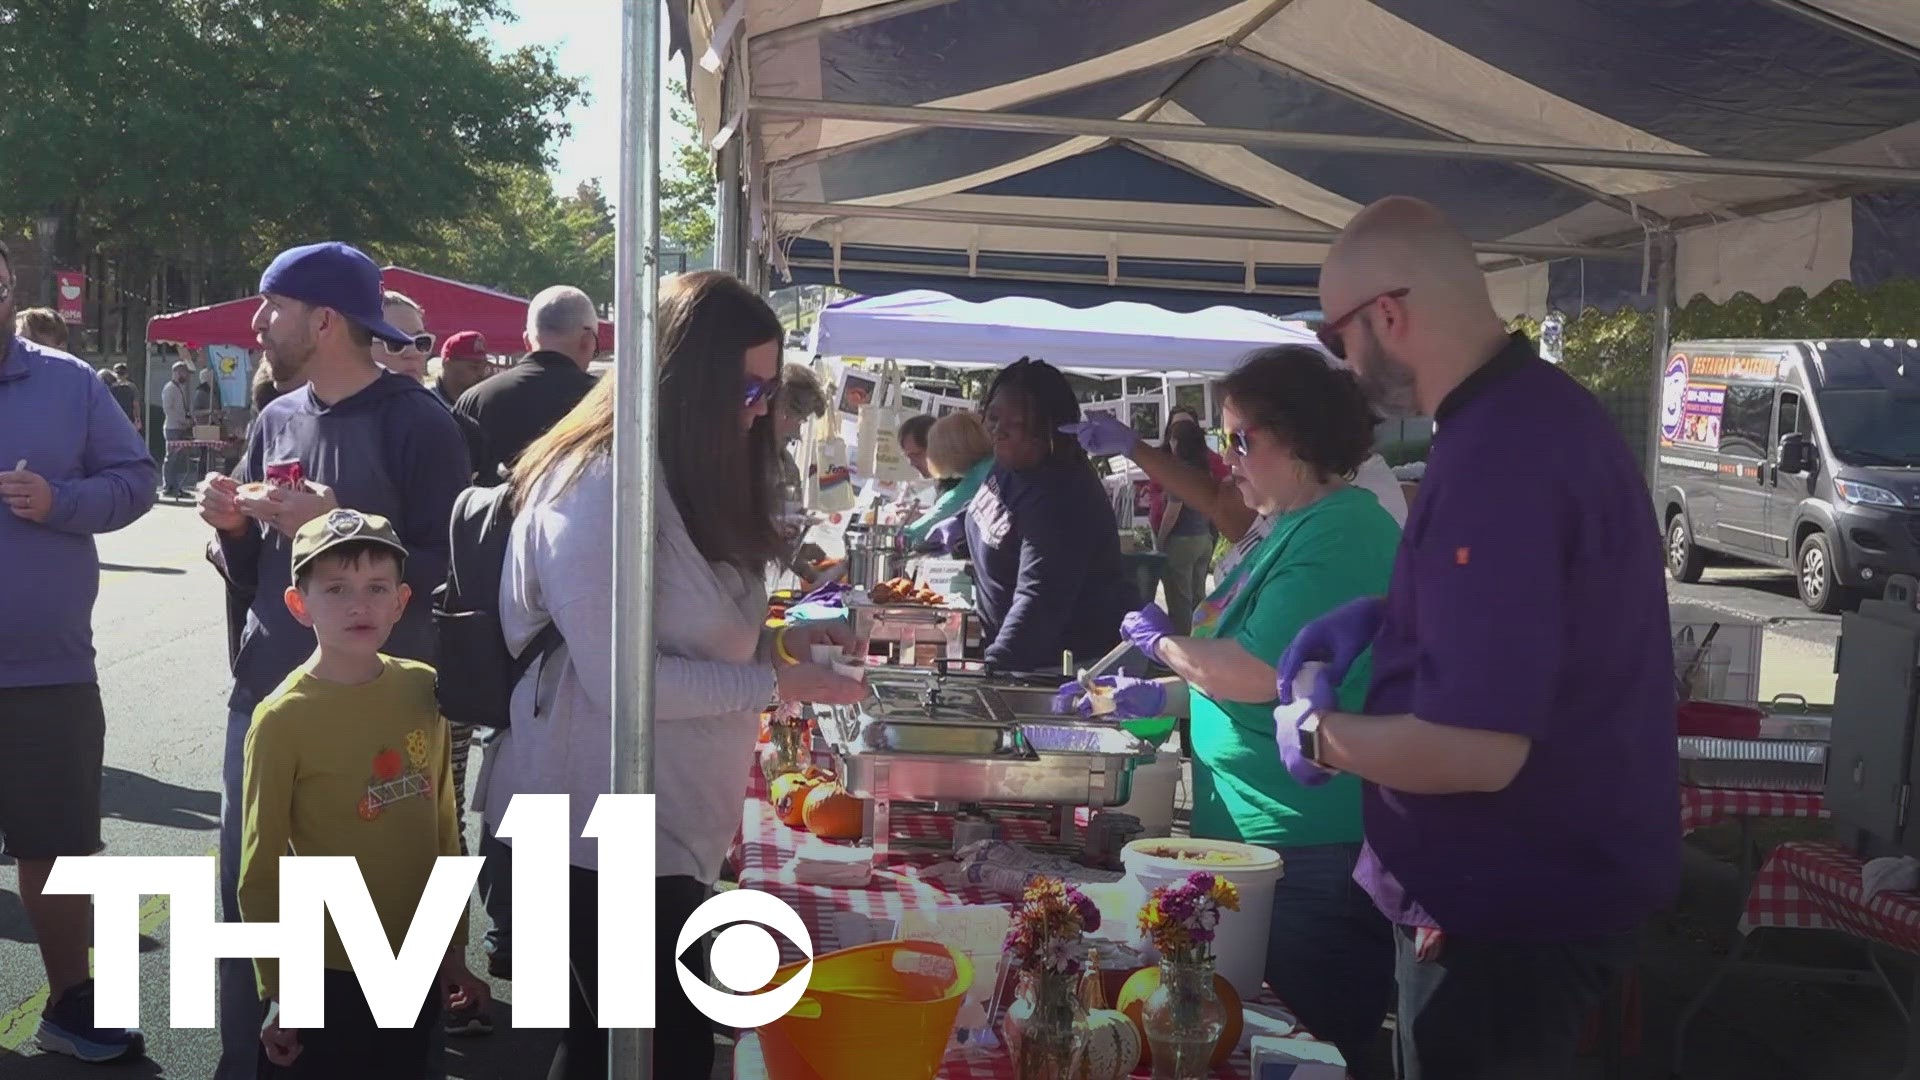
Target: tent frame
(1149, 228)
(1162, 131)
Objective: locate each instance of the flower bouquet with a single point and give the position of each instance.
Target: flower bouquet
(1184, 1017)
(1046, 1026)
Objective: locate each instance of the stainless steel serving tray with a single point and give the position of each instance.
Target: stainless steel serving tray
(1760, 764)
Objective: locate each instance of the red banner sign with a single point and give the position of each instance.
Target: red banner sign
(69, 289)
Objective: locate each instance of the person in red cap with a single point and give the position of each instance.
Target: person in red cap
(464, 364)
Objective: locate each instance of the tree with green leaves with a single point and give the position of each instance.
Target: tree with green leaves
(521, 239)
(221, 130)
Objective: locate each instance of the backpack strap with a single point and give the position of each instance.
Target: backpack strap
(544, 644)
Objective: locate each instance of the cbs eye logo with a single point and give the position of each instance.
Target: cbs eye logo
(744, 958)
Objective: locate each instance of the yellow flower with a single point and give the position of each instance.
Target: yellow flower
(1225, 894)
(417, 748)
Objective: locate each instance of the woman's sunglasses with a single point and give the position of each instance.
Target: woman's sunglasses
(1238, 441)
(759, 390)
(423, 342)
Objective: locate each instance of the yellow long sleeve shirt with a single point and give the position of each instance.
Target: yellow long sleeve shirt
(364, 771)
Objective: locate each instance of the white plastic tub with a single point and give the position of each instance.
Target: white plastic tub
(1240, 943)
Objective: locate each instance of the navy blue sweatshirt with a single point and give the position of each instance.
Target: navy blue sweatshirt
(1047, 570)
(392, 449)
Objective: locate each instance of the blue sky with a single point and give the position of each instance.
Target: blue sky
(585, 36)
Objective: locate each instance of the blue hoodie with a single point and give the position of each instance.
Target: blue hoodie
(392, 449)
(58, 417)
(1047, 572)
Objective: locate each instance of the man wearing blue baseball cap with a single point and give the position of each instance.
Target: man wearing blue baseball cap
(352, 435)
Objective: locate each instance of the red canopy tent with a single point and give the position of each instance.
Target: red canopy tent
(452, 306)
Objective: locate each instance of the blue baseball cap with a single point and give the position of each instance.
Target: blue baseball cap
(333, 275)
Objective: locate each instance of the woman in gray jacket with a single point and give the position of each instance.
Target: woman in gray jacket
(716, 667)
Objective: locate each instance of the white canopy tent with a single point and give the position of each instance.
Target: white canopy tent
(1120, 338)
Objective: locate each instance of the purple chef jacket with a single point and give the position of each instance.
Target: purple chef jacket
(1528, 597)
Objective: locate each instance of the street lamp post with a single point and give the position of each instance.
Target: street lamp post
(46, 229)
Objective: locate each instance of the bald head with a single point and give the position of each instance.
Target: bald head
(1407, 304)
(562, 319)
(1403, 243)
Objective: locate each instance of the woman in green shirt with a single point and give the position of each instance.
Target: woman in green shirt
(1298, 428)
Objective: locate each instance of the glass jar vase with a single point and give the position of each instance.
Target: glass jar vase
(789, 745)
(1046, 1028)
(1183, 1019)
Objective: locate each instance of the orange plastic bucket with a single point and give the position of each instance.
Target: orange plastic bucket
(882, 1010)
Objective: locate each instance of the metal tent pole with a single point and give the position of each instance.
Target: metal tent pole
(1665, 257)
(635, 437)
(727, 228)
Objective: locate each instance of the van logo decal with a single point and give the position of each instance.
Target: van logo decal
(1673, 396)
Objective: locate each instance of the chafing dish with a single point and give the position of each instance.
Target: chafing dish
(951, 738)
(1772, 765)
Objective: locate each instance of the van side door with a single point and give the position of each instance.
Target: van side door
(1786, 490)
(1746, 434)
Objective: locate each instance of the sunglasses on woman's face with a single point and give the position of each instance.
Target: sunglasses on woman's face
(759, 390)
(1238, 440)
(422, 342)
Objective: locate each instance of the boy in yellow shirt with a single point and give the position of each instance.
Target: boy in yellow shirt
(350, 757)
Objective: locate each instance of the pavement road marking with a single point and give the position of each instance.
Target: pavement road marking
(22, 1022)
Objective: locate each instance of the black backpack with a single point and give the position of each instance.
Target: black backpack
(477, 672)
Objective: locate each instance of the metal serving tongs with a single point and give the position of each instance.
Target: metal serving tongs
(1105, 664)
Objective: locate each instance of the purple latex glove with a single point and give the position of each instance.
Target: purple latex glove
(1147, 628)
(829, 594)
(944, 536)
(1287, 718)
(1133, 699)
(1101, 435)
(1335, 639)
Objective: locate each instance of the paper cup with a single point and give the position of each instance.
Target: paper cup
(1100, 700)
(825, 654)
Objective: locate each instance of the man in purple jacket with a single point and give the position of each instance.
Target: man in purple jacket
(1522, 800)
(71, 466)
(366, 439)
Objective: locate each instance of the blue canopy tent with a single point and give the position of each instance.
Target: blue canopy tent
(1189, 153)
(1173, 151)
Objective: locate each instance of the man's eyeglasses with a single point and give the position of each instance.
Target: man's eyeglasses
(423, 342)
(6, 291)
(1330, 331)
(759, 390)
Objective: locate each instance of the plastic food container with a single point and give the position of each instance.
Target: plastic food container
(1240, 943)
(882, 1010)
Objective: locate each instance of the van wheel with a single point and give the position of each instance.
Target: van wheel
(1684, 560)
(1814, 574)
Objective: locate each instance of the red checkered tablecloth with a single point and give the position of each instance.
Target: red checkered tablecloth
(766, 846)
(1701, 807)
(1815, 885)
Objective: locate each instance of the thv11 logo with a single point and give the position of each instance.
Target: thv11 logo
(744, 955)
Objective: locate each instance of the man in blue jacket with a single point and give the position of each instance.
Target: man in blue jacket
(366, 439)
(71, 466)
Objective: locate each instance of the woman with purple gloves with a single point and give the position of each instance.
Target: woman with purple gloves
(1299, 428)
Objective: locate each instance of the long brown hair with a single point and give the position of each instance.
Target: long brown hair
(720, 479)
(722, 483)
